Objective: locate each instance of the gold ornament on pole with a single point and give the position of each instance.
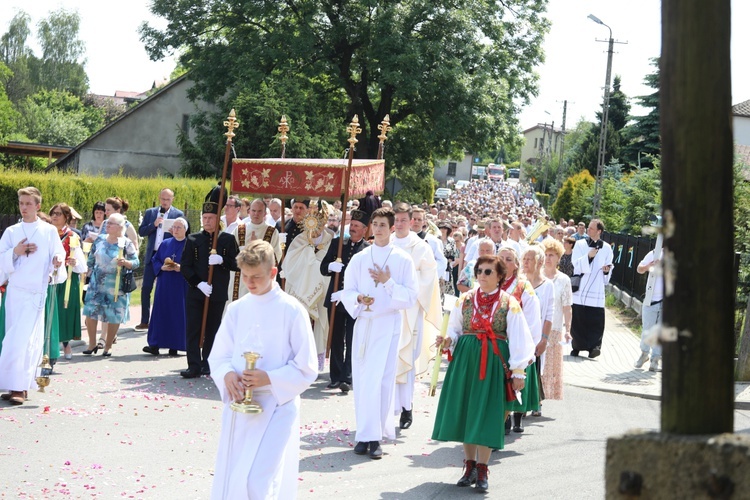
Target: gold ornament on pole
(353, 130)
(248, 405)
(283, 128)
(384, 127)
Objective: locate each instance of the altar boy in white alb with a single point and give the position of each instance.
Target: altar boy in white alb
(386, 274)
(29, 253)
(259, 453)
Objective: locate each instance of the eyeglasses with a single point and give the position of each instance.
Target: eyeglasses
(55, 213)
(486, 272)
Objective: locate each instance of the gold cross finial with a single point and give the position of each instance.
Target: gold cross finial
(283, 128)
(231, 123)
(384, 127)
(353, 129)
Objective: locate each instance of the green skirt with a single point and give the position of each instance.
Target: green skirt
(69, 318)
(470, 410)
(530, 392)
(51, 324)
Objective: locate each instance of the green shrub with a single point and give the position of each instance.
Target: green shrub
(82, 191)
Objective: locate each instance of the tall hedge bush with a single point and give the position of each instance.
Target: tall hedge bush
(82, 191)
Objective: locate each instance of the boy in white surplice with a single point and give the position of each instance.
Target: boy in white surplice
(259, 453)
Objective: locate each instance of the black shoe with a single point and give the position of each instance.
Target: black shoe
(574, 353)
(190, 373)
(406, 419)
(205, 370)
(594, 352)
(333, 385)
(517, 427)
(470, 473)
(345, 388)
(173, 352)
(376, 452)
(482, 473)
(361, 447)
(151, 350)
(508, 425)
(92, 351)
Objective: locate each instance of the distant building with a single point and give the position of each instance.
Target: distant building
(540, 139)
(455, 169)
(741, 123)
(142, 141)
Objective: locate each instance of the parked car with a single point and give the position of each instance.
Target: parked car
(514, 173)
(462, 184)
(443, 193)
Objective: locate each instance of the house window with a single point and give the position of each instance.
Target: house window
(452, 168)
(536, 144)
(186, 123)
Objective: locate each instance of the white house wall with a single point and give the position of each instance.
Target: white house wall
(741, 126)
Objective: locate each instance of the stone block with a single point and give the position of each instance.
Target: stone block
(651, 465)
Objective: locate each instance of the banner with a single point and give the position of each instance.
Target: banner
(306, 178)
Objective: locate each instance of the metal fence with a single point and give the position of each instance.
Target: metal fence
(630, 250)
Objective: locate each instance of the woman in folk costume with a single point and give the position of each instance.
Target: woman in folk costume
(489, 337)
(552, 375)
(258, 455)
(69, 314)
(521, 289)
(533, 260)
(302, 271)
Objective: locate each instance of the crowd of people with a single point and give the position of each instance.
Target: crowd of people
(378, 275)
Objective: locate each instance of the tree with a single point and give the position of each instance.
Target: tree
(61, 52)
(18, 57)
(8, 114)
(642, 136)
(574, 199)
(454, 75)
(587, 155)
(60, 118)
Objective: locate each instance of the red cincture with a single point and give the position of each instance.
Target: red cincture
(481, 321)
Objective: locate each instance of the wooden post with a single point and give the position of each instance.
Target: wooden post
(697, 155)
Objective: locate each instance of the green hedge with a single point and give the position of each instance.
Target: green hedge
(82, 191)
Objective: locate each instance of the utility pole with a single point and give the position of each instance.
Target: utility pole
(548, 157)
(561, 170)
(605, 118)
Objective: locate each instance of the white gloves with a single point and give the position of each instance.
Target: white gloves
(215, 260)
(205, 288)
(282, 275)
(335, 267)
(336, 296)
(282, 237)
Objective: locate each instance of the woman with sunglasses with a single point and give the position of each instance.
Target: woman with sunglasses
(489, 336)
(520, 288)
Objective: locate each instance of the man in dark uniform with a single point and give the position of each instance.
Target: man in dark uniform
(343, 325)
(196, 258)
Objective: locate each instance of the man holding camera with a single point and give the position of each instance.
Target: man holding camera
(592, 259)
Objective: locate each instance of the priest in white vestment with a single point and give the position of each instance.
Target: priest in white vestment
(421, 321)
(302, 273)
(386, 274)
(29, 252)
(253, 228)
(258, 455)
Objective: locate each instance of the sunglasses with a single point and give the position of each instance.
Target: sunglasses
(486, 272)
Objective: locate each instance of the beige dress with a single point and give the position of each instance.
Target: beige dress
(552, 375)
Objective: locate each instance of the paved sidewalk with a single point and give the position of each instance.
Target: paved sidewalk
(613, 371)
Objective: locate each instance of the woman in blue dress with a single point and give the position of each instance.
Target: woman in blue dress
(103, 303)
(166, 330)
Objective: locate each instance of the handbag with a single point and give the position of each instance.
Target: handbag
(575, 282)
(127, 281)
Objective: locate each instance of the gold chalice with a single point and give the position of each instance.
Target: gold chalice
(248, 405)
(42, 381)
(368, 301)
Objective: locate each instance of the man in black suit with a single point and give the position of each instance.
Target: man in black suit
(196, 258)
(152, 228)
(343, 325)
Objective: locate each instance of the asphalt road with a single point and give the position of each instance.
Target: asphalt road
(130, 427)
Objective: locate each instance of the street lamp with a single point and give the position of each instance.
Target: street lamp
(605, 119)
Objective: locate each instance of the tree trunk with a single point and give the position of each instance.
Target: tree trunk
(697, 154)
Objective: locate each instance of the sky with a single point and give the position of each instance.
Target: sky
(574, 69)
